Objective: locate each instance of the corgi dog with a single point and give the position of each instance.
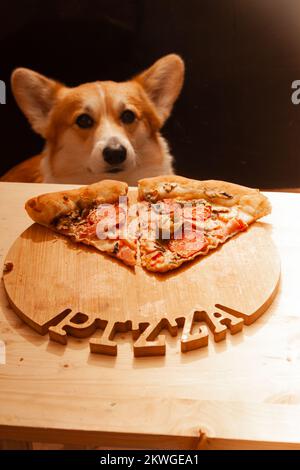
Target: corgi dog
(99, 130)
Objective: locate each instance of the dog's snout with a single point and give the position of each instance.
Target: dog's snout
(114, 154)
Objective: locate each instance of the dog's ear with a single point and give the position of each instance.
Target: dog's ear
(35, 95)
(163, 82)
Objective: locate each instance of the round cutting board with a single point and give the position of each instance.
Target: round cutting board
(73, 289)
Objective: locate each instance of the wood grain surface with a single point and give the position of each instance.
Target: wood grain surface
(241, 393)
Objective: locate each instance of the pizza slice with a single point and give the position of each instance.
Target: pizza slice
(181, 218)
(95, 215)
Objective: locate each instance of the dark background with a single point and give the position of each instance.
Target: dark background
(234, 119)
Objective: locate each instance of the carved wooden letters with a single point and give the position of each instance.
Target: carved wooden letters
(148, 335)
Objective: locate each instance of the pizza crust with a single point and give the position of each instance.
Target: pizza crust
(222, 193)
(45, 208)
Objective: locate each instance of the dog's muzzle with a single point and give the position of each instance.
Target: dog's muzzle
(114, 154)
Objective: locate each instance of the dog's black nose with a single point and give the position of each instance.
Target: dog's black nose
(114, 154)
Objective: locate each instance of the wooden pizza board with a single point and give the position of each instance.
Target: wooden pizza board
(65, 288)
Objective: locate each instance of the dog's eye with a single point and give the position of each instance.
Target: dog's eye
(128, 116)
(84, 121)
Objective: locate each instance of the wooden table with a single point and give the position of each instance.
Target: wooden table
(241, 393)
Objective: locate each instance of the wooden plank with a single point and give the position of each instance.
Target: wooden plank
(240, 392)
(166, 423)
(15, 445)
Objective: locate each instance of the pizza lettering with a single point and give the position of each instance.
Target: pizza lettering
(148, 338)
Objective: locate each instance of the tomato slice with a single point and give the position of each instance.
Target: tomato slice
(186, 247)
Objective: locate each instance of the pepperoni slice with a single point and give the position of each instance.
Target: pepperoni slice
(199, 213)
(111, 218)
(170, 206)
(186, 247)
(111, 215)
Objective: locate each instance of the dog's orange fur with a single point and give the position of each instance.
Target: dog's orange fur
(26, 172)
(73, 154)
